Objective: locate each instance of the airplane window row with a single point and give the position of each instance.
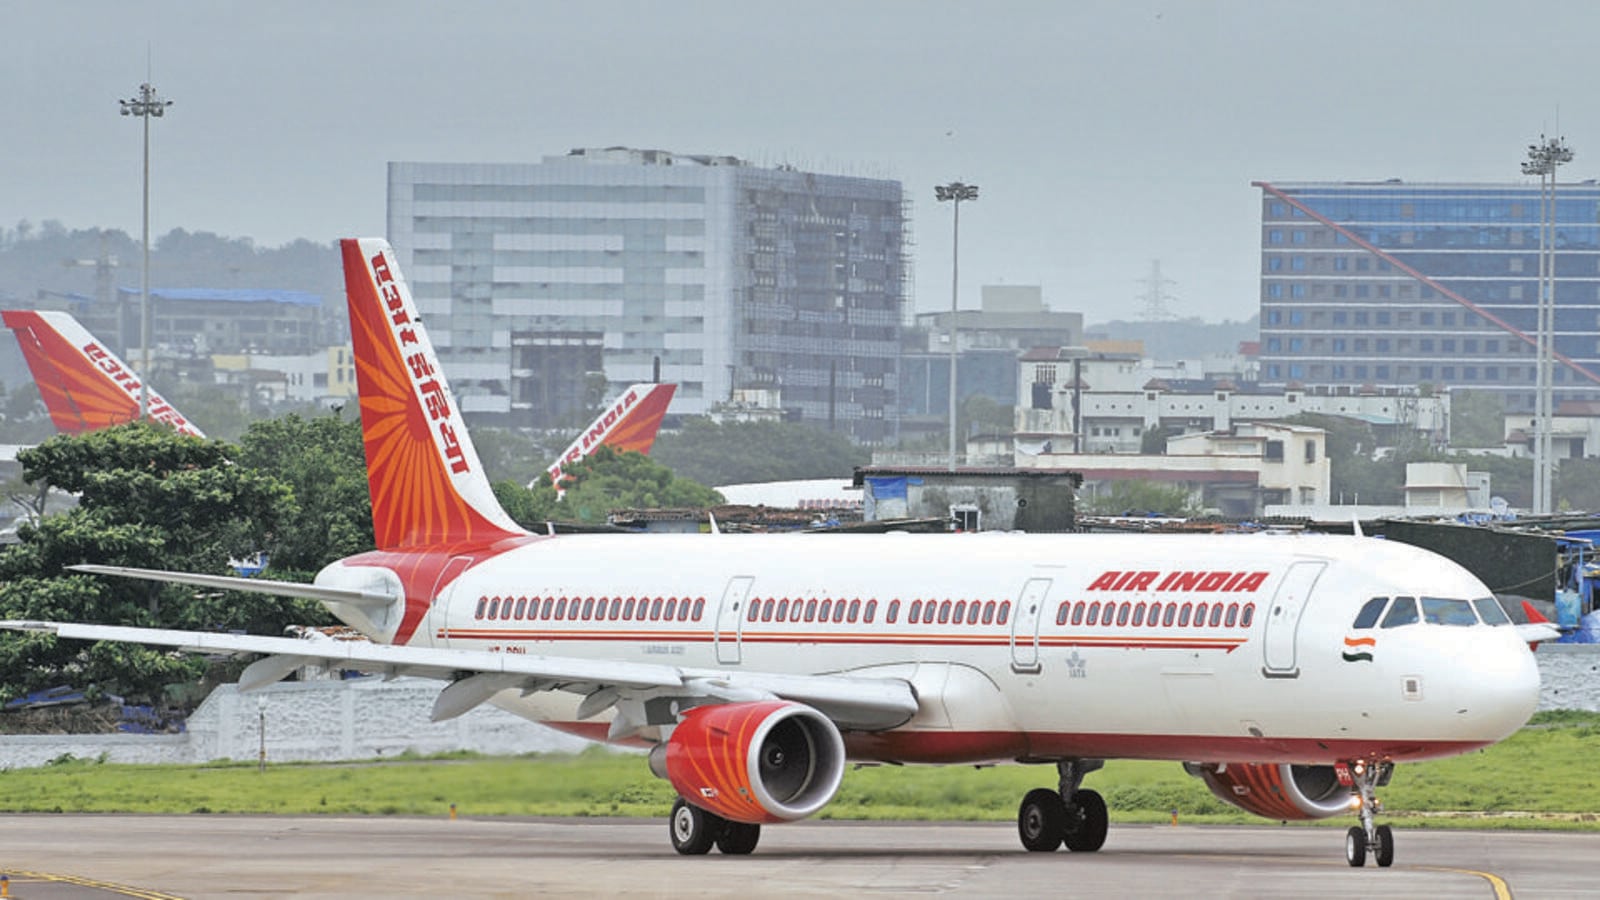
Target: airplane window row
(1151, 615)
(918, 612)
(591, 609)
(1432, 610)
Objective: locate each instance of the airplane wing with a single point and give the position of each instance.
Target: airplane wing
(853, 703)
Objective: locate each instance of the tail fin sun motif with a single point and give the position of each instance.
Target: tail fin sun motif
(83, 384)
(428, 487)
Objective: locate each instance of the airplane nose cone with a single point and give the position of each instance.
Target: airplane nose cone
(1499, 689)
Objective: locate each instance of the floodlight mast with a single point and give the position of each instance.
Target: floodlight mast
(954, 192)
(146, 105)
(1543, 160)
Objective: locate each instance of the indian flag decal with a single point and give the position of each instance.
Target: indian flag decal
(1359, 649)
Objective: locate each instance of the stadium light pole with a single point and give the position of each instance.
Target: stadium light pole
(1543, 160)
(955, 192)
(144, 106)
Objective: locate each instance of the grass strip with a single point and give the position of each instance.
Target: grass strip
(1543, 777)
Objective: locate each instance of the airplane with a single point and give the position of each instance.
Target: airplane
(1291, 673)
(84, 385)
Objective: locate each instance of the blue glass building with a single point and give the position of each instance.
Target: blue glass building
(1391, 285)
(545, 278)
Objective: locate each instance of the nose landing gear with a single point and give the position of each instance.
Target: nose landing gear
(1365, 779)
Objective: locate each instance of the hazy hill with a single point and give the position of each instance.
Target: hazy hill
(1181, 339)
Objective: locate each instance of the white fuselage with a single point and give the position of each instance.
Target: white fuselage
(1022, 673)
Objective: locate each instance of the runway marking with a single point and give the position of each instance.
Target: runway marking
(79, 881)
(1502, 891)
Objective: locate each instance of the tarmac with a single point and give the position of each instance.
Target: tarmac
(210, 856)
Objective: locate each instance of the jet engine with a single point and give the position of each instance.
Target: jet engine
(1277, 791)
(756, 762)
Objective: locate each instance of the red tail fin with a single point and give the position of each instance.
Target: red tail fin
(1532, 612)
(629, 422)
(84, 385)
(428, 486)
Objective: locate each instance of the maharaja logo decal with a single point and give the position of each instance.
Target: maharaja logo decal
(1359, 649)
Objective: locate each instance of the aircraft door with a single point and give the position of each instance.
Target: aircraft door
(1025, 625)
(730, 619)
(439, 607)
(1283, 619)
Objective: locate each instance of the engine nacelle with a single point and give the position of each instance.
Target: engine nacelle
(764, 761)
(1278, 791)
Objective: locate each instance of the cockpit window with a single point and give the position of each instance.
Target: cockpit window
(1491, 612)
(1403, 612)
(1368, 616)
(1442, 611)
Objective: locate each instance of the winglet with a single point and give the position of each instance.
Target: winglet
(629, 422)
(1538, 628)
(83, 384)
(428, 486)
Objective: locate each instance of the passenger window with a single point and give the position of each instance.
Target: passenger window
(1491, 612)
(1403, 612)
(1370, 611)
(1247, 616)
(1441, 611)
(1094, 613)
(1062, 612)
(1003, 613)
(894, 612)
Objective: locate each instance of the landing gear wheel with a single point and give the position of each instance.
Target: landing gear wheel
(1384, 854)
(693, 829)
(1086, 822)
(738, 838)
(1355, 846)
(1042, 820)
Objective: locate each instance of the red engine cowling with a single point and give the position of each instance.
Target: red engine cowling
(765, 761)
(1278, 791)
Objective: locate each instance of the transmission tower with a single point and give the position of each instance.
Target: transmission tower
(1155, 296)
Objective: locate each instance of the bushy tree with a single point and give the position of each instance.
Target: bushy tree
(151, 498)
(1477, 418)
(1136, 497)
(323, 462)
(740, 452)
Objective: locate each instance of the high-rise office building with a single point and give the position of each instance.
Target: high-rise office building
(549, 281)
(1390, 286)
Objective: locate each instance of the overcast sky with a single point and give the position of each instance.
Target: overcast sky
(1103, 135)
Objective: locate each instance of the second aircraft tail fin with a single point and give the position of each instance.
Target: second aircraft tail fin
(83, 384)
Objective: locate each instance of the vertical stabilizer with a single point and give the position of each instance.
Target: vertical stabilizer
(83, 384)
(629, 422)
(427, 484)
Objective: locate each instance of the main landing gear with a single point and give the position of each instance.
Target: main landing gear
(1049, 818)
(694, 831)
(1360, 839)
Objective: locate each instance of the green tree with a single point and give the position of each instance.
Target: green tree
(981, 415)
(509, 455)
(603, 481)
(1477, 418)
(323, 461)
(1577, 485)
(740, 452)
(1136, 497)
(151, 498)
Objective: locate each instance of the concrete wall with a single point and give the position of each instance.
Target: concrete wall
(367, 719)
(362, 718)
